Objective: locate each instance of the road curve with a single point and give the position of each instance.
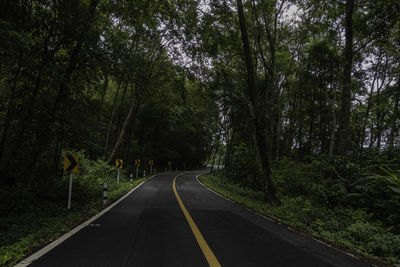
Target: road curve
(149, 228)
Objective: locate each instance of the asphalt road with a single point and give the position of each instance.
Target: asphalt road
(149, 228)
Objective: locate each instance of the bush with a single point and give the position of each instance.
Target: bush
(245, 167)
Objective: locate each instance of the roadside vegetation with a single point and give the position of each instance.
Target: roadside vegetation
(33, 217)
(353, 205)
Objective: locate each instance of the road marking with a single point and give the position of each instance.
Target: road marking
(211, 259)
(58, 241)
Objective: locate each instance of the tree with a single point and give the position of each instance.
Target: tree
(345, 112)
(257, 113)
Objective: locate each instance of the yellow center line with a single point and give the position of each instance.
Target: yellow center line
(211, 259)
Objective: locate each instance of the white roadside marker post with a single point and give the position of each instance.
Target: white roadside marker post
(70, 191)
(105, 194)
(131, 179)
(144, 173)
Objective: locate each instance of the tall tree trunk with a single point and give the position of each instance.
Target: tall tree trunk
(379, 119)
(364, 126)
(105, 85)
(120, 113)
(311, 125)
(259, 119)
(229, 144)
(111, 120)
(332, 124)
(216, 150)
(300, 123)
(291, 126)
(322, 121)
(219, 157)
(123, 130)
(395, 117)
(274, 112)
(343, 142)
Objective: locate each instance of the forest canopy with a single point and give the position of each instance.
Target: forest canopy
(96, 76)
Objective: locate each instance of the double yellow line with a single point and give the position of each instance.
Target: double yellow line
(211, 259)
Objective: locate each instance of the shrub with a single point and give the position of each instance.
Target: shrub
(245, 166)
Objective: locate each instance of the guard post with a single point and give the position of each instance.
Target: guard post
(105, 190)
(119, 164)
(137, 164)
(70, 165)
(151, 163)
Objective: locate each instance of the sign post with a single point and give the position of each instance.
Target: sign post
(137, 164)
(70, 165)
(151, 163)
(70, 191)
(119, 164)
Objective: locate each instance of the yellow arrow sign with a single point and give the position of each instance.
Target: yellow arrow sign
(137, 162)
(119, 163)
(71, 163)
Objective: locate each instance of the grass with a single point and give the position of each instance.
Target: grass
(35, 223)
(349, 229)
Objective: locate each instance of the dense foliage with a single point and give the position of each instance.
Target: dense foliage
(302, 78)
(95, 75)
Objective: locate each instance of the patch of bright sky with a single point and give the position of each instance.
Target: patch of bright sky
(291, 13)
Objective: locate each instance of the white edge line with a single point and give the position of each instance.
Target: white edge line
(64, 237)
(269, 219)
(215, 192)
(230, 200)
